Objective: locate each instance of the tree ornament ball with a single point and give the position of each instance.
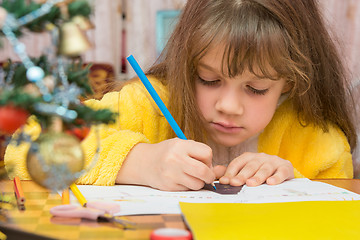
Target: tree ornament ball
(35, 74)
(56, 161)
(12, 118)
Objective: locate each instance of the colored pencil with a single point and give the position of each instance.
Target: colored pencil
(19, 193)
(78, 195)
(157, 99)
(65, 196)
(18, 190)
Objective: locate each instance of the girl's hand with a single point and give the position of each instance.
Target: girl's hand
(254, 169)
(171, 165)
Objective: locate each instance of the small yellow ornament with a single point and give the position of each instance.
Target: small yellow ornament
(55, 160)
(73, 41)
(49, 81)
(83, 22)
(32, 89)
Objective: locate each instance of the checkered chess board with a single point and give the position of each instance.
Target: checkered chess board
(36, 219)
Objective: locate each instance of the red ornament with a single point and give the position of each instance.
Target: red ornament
(11, 118)
(79, 132)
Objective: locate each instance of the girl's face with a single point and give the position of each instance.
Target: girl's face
(238, 108)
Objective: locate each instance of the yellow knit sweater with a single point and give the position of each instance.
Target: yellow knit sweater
(313, 153)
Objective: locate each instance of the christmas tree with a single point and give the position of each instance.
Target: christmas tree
(48, 87)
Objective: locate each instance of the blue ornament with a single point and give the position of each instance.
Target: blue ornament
(35, 74)
(47, 97)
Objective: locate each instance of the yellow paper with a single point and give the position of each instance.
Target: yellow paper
(290, 220)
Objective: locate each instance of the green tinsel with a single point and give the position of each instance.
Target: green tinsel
(79, 7)
(77, 73)
(90, 115)
(26, 101)
(86, 116)
(19, 98)
(19, 79)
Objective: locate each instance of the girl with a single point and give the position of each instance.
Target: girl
(256, 84)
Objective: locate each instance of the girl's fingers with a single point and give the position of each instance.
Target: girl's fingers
(177, 180)
(264, 172)
(224, 180)
(219, 171)
(248, 171)
(198, 170)
(200, 152)
(184, 163)
(191, 182)
(254, 169)
(232, 175)
(282, 173)
(176, 187)
(237, 164)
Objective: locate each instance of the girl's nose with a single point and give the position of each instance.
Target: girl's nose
(229, 102)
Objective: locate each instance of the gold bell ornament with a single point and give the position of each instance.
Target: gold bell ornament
(55, 159)
(65, 2)
(83, 22)
(73, 41)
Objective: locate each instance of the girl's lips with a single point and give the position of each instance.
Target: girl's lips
(225, 128)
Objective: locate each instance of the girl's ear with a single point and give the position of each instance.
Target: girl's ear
(287, 87)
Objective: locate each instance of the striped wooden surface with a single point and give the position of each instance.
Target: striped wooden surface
(36, 219)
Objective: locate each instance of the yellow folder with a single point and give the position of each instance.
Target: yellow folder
(290, 220)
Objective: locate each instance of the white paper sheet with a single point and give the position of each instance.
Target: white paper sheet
(136, 200)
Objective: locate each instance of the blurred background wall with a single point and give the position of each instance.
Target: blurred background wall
(124, 27)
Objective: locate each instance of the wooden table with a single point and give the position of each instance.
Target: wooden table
(36, 219)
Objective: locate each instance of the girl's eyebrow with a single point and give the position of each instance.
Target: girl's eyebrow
(253, 77)
(201, 64)
(210, 68)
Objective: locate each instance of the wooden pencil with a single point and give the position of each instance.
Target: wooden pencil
(65, 196)
(19, 193)
(78, 194)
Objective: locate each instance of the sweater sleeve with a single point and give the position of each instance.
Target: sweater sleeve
(15, 155)
(314, 153)
(340, 164)
(317, 154)
(137, 121)
(114, 145)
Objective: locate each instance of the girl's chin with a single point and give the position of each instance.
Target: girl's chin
(227, 142)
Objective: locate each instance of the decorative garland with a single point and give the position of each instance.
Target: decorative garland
(19, 9)
(46, 87)
(49, 88)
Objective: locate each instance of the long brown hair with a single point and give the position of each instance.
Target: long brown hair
(288, 35)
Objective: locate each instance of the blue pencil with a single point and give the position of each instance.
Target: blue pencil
(157, 99)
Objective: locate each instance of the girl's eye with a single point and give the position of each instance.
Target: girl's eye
(257, 91)
(208, 82)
